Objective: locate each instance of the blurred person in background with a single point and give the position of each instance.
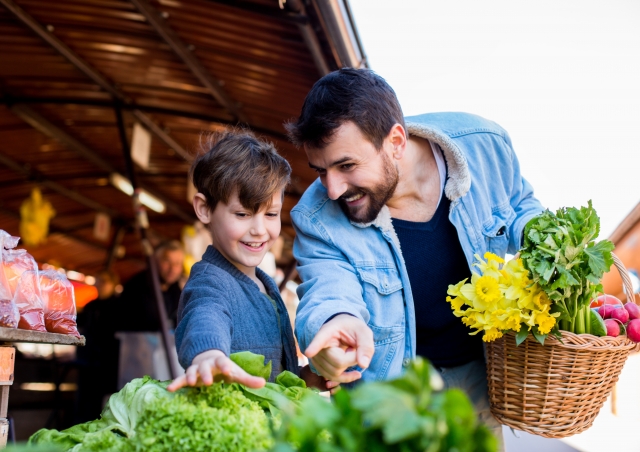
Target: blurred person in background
(98, 359)
(138, 294)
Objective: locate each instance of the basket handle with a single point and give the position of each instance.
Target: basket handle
(626, 279)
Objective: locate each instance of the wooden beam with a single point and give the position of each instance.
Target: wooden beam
(12, 100)
(79, 63)
(214, 85)
(310, 38)
(53, 229)
(43, 125)
(39, 178)
(263, 10)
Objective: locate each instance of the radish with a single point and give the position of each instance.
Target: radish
(633, 330)
(606, 310)
(620, 314)
(633, 310)
(613, 327)
(605, 299)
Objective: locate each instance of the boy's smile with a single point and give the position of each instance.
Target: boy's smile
(241, 236)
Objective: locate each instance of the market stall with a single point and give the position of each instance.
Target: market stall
(8, 337)
(83, 84)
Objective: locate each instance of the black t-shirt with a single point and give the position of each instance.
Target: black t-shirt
(434, 259)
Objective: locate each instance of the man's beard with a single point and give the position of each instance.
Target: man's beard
(377, 197)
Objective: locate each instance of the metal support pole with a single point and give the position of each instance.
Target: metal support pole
(142, 224)
(113, 248)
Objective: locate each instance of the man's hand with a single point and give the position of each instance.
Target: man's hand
(342, 342)
(214, 365)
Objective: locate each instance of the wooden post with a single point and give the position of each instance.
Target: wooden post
(7, 363)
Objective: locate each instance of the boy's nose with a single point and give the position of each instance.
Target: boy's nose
(258, 227)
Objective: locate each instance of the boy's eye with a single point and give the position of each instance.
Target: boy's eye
(273, 214)
(242, 214)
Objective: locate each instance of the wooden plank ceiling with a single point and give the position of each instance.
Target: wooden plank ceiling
(179, 67)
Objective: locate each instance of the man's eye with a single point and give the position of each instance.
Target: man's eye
(320, 171)
(347, 166)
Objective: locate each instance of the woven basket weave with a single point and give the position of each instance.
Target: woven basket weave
(555, 390)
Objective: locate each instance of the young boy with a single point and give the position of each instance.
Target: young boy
(228, 304)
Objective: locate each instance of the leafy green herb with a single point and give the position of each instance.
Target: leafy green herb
(562, 256)
(404, 414)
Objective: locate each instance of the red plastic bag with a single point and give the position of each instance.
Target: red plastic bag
(28, 299)
(16, 262)
(59, 303)
(9, 314)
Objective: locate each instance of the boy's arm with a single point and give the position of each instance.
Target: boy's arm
(205, 320)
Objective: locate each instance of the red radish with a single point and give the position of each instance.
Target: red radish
(613, 327)
(633, 330)
(633, 310)
(605, 299)
(620, 314)
(606, 310)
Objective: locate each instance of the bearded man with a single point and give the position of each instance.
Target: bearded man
(400, 208)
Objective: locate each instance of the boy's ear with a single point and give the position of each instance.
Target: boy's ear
(202, 210)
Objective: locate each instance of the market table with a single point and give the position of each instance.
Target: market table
(8, 336)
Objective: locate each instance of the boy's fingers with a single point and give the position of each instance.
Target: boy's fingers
(178, 383)
(249, 380)
(192, 375)
(205, 374)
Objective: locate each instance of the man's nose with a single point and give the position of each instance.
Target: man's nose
(335, 186)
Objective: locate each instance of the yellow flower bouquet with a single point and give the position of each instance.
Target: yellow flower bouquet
(501, 298)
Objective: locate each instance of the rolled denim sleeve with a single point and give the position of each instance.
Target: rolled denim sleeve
(524, 204)
(330, 284)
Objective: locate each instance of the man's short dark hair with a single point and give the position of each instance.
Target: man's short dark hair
(357, 95)
(235, 161)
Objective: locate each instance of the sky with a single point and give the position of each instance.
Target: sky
(561, 76)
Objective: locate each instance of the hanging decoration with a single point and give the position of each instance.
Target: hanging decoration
(195, 240)
(35, 214)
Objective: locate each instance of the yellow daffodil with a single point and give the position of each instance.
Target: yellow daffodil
(492, 334)
(501, 298)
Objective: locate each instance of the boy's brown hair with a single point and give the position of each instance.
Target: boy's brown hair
(237, 161)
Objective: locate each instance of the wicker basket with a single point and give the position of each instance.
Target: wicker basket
(555, 390)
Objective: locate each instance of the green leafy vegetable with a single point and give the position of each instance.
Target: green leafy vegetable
(562, 256)
(215, 418)
(252, 364)
(404, 414)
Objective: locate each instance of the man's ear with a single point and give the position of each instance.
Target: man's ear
(398, 139)
(201, 208)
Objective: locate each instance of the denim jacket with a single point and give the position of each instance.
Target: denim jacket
(358, 269)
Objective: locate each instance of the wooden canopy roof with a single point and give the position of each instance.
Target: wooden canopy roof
(75, 75)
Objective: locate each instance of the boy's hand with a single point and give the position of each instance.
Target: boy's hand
(213, 365)
(314, 380)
